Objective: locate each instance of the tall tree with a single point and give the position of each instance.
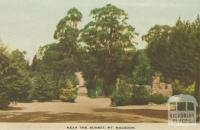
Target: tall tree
(14, 80)
(22, 84)
(4, 63)
(108, 31)
(61, 59)
(67, 32)
(175, 51)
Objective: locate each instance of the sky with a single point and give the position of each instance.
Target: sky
(29, 24)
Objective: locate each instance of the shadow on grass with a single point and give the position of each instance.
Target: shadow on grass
(71, 117)
(11, 109)
(143, 112)
(55, 117)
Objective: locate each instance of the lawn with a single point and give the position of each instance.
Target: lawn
(83, 110)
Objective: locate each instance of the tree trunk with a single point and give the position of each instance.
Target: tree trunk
(105, 86)
(107, 72)
(108, 63)
(197, 93)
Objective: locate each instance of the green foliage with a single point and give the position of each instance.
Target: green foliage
(99, 87)
(59, 61)
(127, 94)
(180, 88)
(140, 95)
(68, 93)
(158, 98)
(42, 89)
(190, 90)
(95, 87)
(22, 85)
(4, 100)
(67, 27)
(142, 73)
(122, 95)
(174, 50)
(111, 89)
(14, 76)
(108, 34)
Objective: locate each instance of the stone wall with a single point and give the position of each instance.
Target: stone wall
(161, 87)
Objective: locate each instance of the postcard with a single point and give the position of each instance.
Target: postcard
(99, 64)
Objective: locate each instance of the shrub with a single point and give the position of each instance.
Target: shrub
(99, 87)
(158, 98)
(179, 88)
(42, 89)
(137, 95)
(4, 101)
(140, 95)
(111, 89)
(95, 87)
(90, 88)
(68, 93)
(122, 94)
(143, 71)
(92, 93)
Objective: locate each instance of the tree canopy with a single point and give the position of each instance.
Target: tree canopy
(109, 32)
(174, 51)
